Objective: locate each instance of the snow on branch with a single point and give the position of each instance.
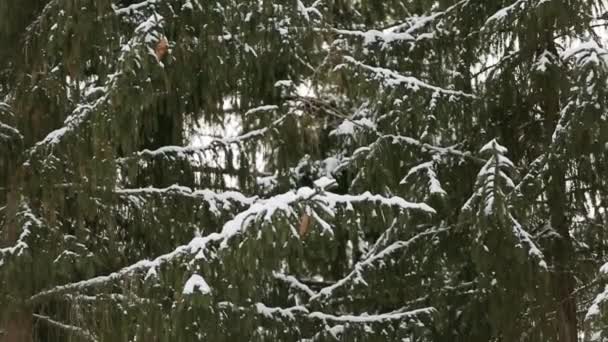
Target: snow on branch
(5, 108)
(505, 12)
(196, 283)
(294, 283)
(403, 32)
(533, 173)
(261, 109)
(558, 140)
(372, 36)
(395, 201)
(489, 198)
(587, 52)
(392, 78)
(416, 23)
(350, 126)
(255, 133)
(211, 197)
(271, 313)
(427, 169)
(183, 151)
(8, 132)
(594, 310)
(307, 11)
(83, 113)
(337, 330)
(431, 148)
(132, 8)
(356, 276)
(400, 139)
(375, 318)
(139, 266)
(78, 116)
(526, 239)
(491, 179)
(291, 313)
(30, 221)
(11, 132)
(67, 328)
(263, 209)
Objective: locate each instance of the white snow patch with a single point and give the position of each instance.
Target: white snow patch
(196, 283)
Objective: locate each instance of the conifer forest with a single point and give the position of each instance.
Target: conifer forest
(304, 170)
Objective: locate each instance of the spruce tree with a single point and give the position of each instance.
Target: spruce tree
(399, 171)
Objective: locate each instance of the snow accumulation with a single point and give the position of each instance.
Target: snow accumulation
(196, 283)
(394, 316)
(356, 275)
(404, 32)
(262, 208)
(428, 169)
(149, 27)
(585, 49)
(324, 182)
(506, 11)
(493, 146)
(131, 8)
(77, 118)
(13, 131)
(269, 312)
(526, 239)
(307, 11)
(392, 78)
(433, 149)
(294, 283)
(289, 313)
(594, 309)
(261, 109)
(31, 222)
(372, 36)
(213, 199)
(349, 126)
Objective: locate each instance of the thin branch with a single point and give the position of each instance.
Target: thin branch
(66, 327)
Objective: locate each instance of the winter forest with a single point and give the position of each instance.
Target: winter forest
(301, 170)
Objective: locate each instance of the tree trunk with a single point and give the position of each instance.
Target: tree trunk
(562, 253)
(562, 250)
(17, 327)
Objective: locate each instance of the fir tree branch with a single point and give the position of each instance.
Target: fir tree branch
(367, 264)
(67, 328)
(393, 78)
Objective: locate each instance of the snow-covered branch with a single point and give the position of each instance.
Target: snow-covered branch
(262, 209)
(356, 276)
(133, 7)
(291, 313)
(427, 169)
(385, 317)
(85, 112)
(424, 147)
(506, 11)
(78, 331)
(294, 283)
(403, 32)
(219, 143)
(214, 199)
(392, 78)
(30, 222)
